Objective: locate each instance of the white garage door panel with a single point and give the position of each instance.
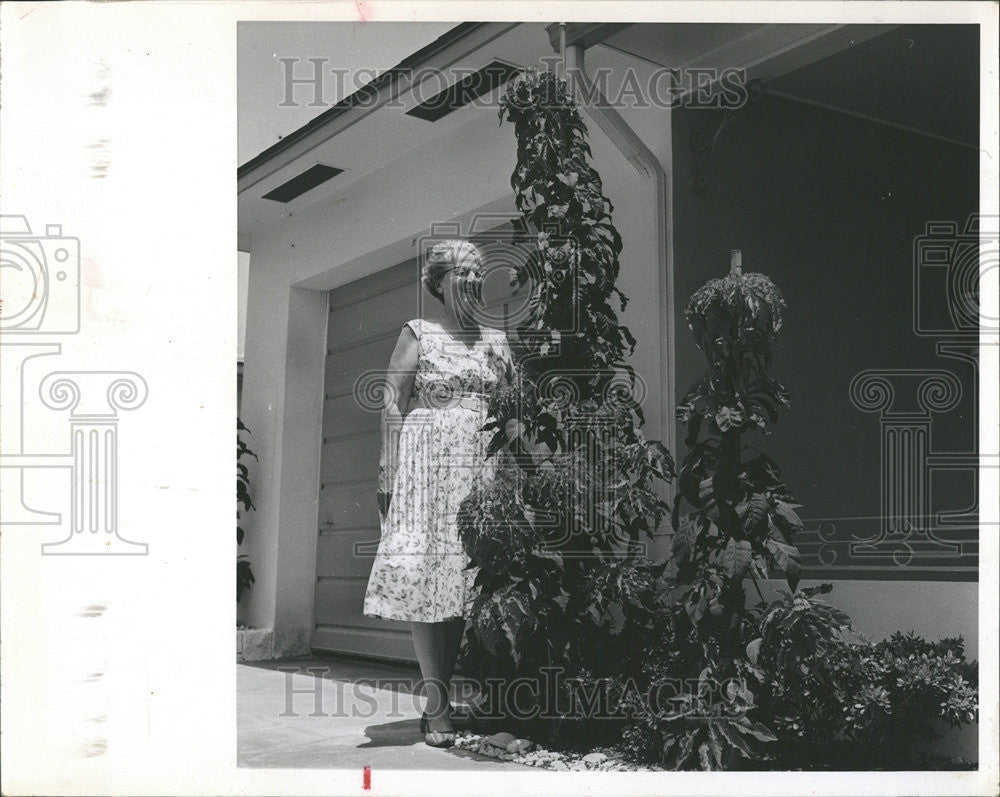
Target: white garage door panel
(365, 642)
(349, 506)
(347, 412)
(335, 596)
(345, 368)
(365, 319)
(349, 459)
(347, 553)
(366, 288)
(375, 318)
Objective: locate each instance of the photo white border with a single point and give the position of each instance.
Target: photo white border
(174, 208)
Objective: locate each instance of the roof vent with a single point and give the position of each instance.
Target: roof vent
(469, 88)
(309, 179)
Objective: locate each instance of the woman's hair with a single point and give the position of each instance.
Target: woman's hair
(447, 255)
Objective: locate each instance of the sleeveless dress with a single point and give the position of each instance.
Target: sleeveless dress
(421, 572)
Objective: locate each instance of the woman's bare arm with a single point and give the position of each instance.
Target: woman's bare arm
(396, 396)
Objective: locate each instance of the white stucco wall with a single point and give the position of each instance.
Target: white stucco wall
(242, 288)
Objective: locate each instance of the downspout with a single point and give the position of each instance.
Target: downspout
(645, 162)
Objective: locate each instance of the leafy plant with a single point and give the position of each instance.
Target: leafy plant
(795, 631)
(680, 715)
(744, 517)
(556, 535)
(815, 694)
(244, 572)
(740, 526)
(837, 700)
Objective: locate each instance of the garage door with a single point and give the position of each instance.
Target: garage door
(365, 319)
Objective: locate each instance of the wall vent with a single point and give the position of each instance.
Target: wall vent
(469, 88)
(309, 179)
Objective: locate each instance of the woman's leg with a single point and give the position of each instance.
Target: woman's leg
(454, 629)
(429, 642)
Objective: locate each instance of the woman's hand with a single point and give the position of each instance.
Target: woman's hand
(387, 466)
(384, 493)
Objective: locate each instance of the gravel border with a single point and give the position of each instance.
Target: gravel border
(527, 753)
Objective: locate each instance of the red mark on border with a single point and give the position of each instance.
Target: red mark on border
(359, 6)
(366, 779)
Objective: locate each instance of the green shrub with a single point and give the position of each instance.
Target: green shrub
(836, 700)
(741, 525)
(817, 696)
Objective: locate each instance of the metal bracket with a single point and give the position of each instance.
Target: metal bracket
(703, 145)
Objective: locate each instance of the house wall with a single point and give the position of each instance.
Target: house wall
(829, 206)
(242, 286)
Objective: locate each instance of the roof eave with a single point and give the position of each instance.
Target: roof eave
(362, 97)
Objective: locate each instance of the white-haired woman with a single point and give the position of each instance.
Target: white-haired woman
(440, 379)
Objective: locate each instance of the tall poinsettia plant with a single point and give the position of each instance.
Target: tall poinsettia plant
(573, 377)
(743, 517)
(741, 525)
(557, 534)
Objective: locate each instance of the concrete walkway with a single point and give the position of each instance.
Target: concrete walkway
(324, 712)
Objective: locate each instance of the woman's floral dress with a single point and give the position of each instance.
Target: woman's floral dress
(420, 571)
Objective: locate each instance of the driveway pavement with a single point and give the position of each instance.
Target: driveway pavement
(316, 712)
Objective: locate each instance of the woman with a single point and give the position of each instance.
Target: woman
(440, 378)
